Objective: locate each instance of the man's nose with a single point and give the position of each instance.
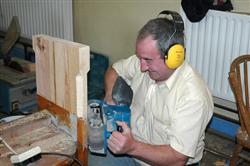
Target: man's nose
(144, 65)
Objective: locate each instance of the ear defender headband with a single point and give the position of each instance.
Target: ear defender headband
(175, 54)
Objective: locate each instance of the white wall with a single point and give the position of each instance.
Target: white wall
(110, 26)
(241, 6)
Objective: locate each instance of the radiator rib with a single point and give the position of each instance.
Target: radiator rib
(50, 17)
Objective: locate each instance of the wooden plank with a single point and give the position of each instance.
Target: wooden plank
(82, 151)
(60, 113)
(62, 60)
(73, 70)
(34, 130)
(61, 75)
(43, 47)
(81, 97)
(19, 127)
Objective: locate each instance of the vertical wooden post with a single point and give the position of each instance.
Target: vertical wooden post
(82, 152)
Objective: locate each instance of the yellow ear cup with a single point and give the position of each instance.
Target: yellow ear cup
(175, 56)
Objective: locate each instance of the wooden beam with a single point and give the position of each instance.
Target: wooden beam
(82, 151)
(59, 112)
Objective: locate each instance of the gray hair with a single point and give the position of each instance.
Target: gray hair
(163, 31)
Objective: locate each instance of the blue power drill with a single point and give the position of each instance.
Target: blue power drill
(102, 117)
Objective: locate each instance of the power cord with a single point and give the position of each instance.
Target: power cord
(8, 146)
(43, 153)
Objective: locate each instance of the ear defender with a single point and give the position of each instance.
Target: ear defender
(175, 56)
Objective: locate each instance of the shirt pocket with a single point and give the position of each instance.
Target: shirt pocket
(161, 126)
(162, 115)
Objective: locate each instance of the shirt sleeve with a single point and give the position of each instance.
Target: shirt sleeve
(189, 123)
(127, 68)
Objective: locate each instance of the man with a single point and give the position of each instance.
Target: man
(171, 105)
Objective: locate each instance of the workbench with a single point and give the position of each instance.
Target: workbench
(38, 129)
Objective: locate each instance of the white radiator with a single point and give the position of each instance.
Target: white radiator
(50, 17)
(213, 43)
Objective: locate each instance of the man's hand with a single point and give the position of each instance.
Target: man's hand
(109, 100)
(121, 143)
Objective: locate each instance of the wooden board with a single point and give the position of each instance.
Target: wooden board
(58, 62)
(38, 129)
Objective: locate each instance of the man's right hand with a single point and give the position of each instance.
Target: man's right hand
(109, 100)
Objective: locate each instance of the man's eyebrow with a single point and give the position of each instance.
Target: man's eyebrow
(147, 58)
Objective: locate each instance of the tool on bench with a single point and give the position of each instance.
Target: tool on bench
(17, 76)
(102, 117)
(11, 37)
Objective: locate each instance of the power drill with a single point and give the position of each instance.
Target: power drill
(102, 117)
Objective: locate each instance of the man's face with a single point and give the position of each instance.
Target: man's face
(150, 59)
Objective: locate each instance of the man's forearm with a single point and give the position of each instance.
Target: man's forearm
(110, 78)
(158, 154)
